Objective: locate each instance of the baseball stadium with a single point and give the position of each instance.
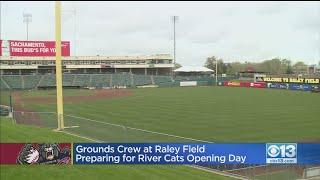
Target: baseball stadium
(55, 97)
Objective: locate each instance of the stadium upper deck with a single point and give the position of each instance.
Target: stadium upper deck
(159, 64)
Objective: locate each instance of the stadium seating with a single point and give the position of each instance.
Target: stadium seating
(47, 81)
(67, 79)
(31, 81)
(100, 80)
(82, 80)
(162, 79)
(139, 80)
(14, 81)
(97, 80)
(121, 80)
(3, 85)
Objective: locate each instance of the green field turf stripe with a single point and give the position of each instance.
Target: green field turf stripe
(143, 130)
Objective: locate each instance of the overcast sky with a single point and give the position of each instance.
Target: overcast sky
(234, 31)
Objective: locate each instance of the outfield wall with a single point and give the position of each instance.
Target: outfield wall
(289, 86)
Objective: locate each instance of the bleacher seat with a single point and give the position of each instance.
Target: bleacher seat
(31, 81)
(3, 86)
(121, 80)
(14, 81)
(100, 80)
(141, 80)
(82, 80)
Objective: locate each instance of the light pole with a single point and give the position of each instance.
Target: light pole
(175, 19)
(27, 18)
(216, 72)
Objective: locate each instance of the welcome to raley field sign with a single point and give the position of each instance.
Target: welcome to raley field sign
(32, 48)
(292, 80)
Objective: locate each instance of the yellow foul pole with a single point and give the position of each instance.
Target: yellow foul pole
(58, 66)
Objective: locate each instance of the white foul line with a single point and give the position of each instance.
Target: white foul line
(143, 130)
(191, 166)
(83, 137)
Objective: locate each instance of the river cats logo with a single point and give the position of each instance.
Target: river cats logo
(44, 154)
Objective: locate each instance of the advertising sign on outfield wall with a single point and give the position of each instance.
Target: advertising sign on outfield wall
(303, 87)
(188, 83)
(258, 84)
(33, 48)
(278, 86)
(245, 84)
(292, 80)
(230, 83)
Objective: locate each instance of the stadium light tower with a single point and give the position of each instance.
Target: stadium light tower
(27, 18)
(174, 19)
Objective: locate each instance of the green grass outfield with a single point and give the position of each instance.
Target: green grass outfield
(21, 133)
(217, 114)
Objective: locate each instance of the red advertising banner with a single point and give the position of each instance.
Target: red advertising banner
(246, 84)
(37, 48)
(258, 85)
(230, 83)
(35, 153)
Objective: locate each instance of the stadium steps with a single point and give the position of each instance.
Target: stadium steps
(152, 79)
(39, 81)
(48, 81)
(4, 84)
(90, 81)
(110, 83)
(31, 81)
(13, 81)
(74, 78)
(22, 82)
(131, 80)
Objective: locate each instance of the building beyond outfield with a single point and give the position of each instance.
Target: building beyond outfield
(159, 64)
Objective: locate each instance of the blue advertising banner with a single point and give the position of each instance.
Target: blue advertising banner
(277, 86)
(209, 153)
(303, 87)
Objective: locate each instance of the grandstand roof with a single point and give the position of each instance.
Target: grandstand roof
(193, 69)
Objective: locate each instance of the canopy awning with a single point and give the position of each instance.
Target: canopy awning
(193, 69)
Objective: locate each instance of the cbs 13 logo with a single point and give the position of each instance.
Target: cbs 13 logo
(282, 150)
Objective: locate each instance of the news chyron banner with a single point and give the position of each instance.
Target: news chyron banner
(163, 153)
(35, 153)
(32, 48)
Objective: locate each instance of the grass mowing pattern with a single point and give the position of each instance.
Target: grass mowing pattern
(217, 114)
